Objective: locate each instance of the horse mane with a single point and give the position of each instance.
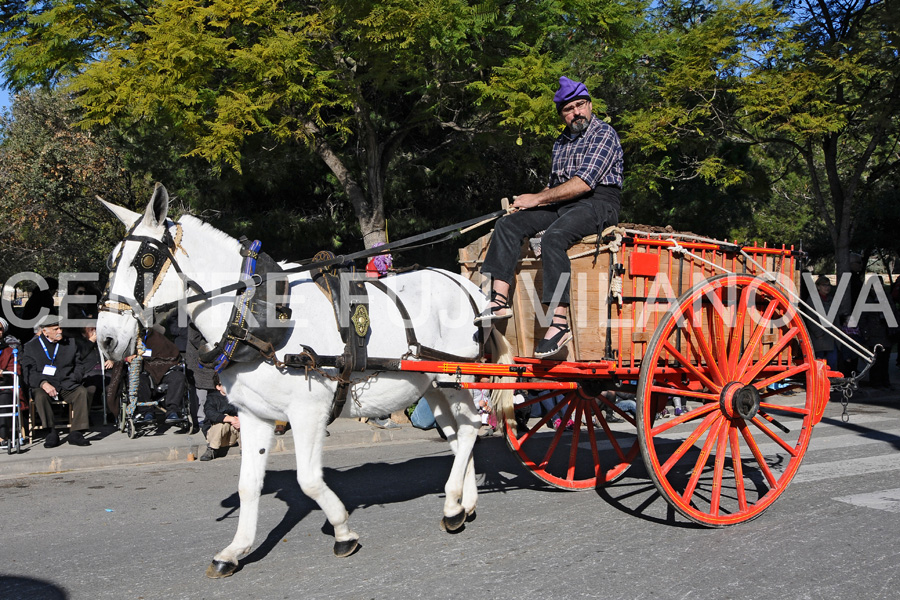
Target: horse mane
(205, 228)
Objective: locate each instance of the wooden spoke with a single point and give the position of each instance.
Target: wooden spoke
(692, 415)
(692, 369)
(703, 458)
(758, 332)
(760, 385)
(738, 467)
(560, 458)
(774, 351)
(757, 454)
(797, 410)
(716, 494)
(737, 333)
(698, 338)
(774, 437)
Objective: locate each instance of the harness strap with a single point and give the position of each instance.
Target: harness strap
(220, 356)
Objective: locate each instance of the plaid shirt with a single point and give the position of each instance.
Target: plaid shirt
(595, 156)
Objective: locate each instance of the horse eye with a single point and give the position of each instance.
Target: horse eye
(147, 261)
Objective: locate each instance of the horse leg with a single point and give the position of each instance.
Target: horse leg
(309, 438)
(256, 440)
(455, 411)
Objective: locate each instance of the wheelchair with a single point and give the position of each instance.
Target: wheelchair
(130, 406)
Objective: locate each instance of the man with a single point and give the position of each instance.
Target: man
(221, 426)
(823, 342)
(581, 198)
(53, 369)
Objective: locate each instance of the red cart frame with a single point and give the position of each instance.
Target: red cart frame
(729, 342)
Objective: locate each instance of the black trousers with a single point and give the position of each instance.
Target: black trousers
(176, 381)
(564, 224)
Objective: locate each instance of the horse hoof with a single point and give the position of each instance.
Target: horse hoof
(452, 524)
(220, 568)
(471, 516)
(346, 548)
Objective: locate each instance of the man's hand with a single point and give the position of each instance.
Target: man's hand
(51, 391)
(525, 201)
(233, 421)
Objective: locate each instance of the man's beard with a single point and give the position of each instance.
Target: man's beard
(579, 124)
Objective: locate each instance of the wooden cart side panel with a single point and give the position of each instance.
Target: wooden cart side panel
(599, 323)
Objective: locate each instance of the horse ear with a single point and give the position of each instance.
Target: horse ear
(155, 215)
(128, 217)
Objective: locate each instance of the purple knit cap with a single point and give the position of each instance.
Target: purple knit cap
(569, 90)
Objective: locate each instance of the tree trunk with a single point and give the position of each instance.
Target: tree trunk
(369, 208)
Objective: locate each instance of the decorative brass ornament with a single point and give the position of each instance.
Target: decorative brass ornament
(148, 261)
(360, 320)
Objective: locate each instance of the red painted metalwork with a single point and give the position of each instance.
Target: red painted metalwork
(732, 347)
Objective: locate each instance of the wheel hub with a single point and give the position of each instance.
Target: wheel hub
(739, 400)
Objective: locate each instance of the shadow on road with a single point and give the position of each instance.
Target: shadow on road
(14, 587)
(379, 483)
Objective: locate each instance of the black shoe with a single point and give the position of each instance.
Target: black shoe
(208, 455)
(52, 440)
(557, 343)
(497, 310)
(76, 438)
(612, 417)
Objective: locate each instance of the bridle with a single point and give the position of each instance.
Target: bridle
(152, 262)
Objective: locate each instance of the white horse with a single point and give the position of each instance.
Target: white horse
(263, 392)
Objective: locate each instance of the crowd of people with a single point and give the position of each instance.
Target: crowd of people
(59, 363)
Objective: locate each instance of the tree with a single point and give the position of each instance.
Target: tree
(814, 84)
(367, 86)
(50, 171)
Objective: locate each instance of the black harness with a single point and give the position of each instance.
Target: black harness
(249, 335)
(251, 332)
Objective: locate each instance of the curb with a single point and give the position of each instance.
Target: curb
(116, 450)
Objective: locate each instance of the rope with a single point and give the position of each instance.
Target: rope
(805, 310)
(134, 379)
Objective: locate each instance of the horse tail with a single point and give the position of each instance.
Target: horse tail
(502, 400)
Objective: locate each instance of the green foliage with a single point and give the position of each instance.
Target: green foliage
(49, 174)
(816, 87)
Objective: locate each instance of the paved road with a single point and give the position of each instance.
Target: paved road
(149, 531)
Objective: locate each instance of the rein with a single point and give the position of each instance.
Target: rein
(449, 232)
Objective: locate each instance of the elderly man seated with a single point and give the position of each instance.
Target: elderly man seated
(53, 369)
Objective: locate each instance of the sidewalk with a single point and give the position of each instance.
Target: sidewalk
(111, 448)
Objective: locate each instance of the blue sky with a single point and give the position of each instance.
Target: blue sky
(4, 100)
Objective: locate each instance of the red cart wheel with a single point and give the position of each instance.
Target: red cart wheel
(735, 350)
(593, 452)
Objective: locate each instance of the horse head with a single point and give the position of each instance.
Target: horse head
(140, 275)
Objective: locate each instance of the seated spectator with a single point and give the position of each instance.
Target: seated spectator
(221, 426)
(7, 343)
(80, 303)
(202, 381)
(160, 355)
(52, 368)
(94, 368)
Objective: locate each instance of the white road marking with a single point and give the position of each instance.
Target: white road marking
(888, 500)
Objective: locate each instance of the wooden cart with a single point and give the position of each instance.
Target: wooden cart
(661, 315)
